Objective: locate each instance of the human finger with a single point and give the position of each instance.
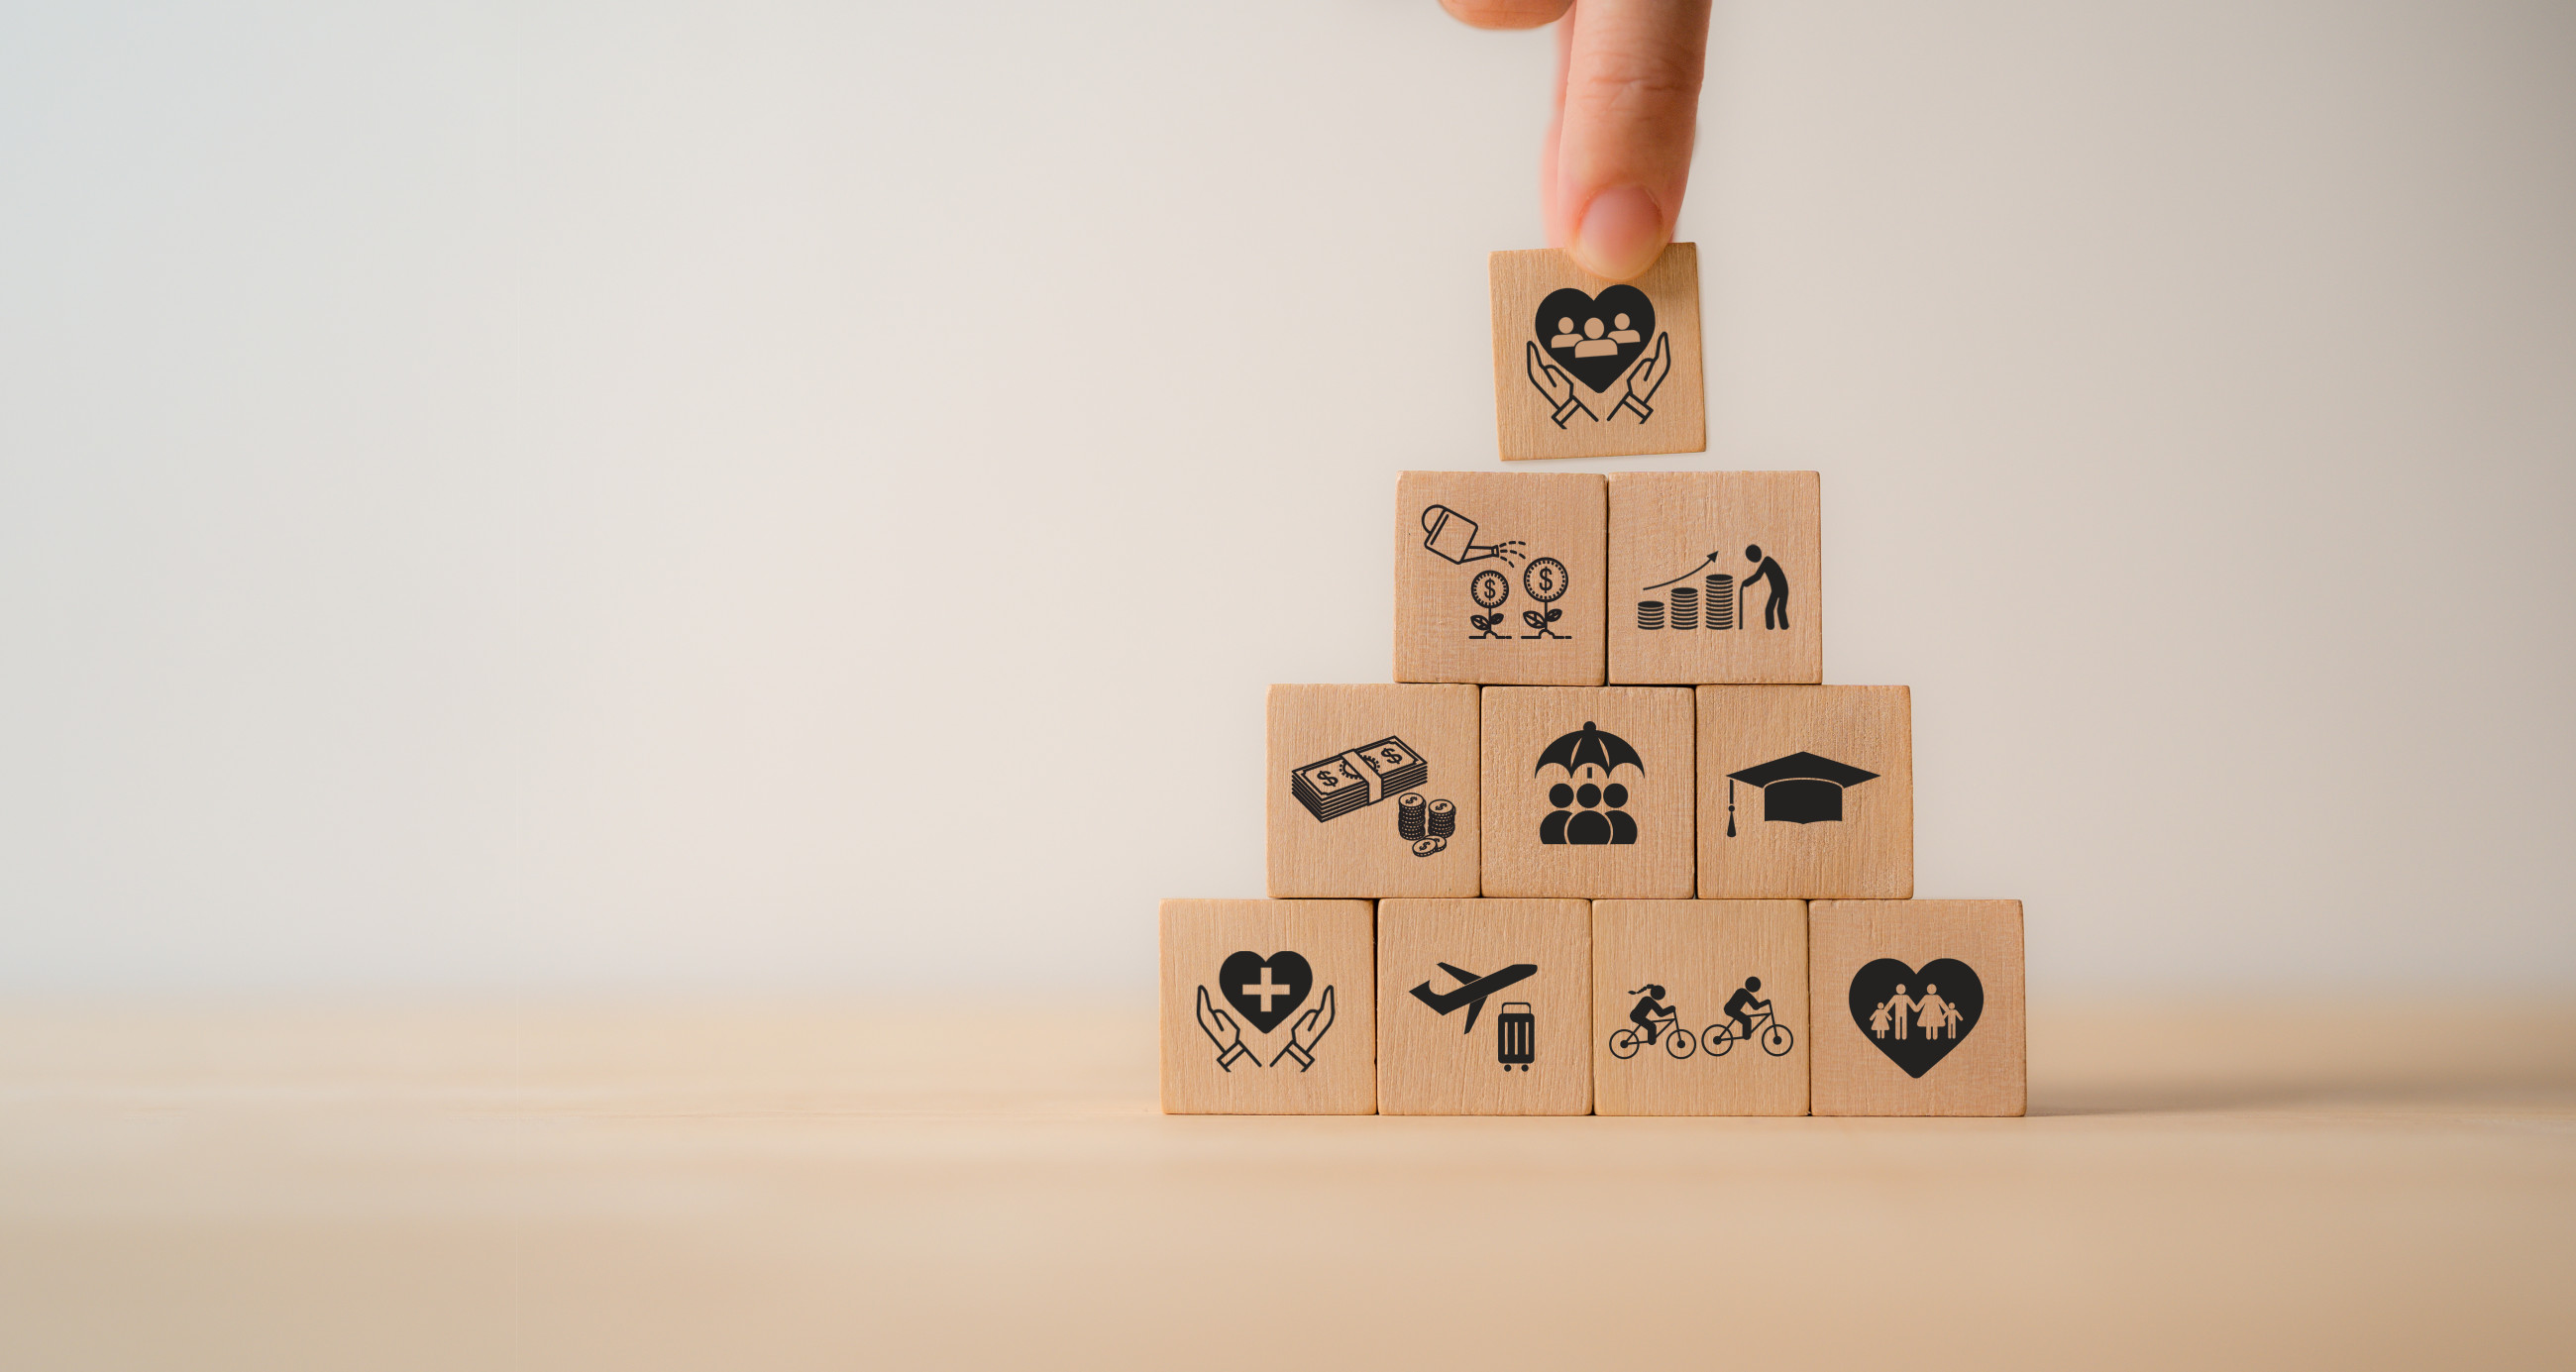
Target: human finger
(1628, 110)
(1506, 14)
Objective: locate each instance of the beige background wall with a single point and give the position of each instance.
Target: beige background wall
(559, 494)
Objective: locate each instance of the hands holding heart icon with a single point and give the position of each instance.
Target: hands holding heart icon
(1265, 991)
(1592, 341)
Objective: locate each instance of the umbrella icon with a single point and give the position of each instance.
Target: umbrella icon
(1589, 747)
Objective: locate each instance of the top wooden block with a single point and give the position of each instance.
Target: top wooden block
(1716, 578)
(1585, 367)
(1498, 577)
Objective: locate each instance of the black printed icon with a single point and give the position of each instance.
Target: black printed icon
(1718, 601)
(1590, 342)
(1749, 1018)
(1358, 778)
(1516, 1036)
(1545, 579)
(1801, 788)
(1916, 1017)
(1265, 991)
(1515, 1029)
(1490, 589)
(1451, 536)
(1650, 1021)
(1426, 824)
(1589, 757)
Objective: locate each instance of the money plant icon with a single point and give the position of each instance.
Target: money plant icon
(1545, 580)
(1490, 589)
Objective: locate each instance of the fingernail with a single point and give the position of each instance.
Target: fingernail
(1623, 231)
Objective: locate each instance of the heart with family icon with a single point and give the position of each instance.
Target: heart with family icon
(1595, 338)
(1265, 990)
(1916, 1017)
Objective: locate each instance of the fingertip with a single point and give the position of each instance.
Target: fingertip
(1622, 232)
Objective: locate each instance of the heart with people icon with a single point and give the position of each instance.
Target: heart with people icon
(1916, 1016)
(1595, 338)
(1265, 990)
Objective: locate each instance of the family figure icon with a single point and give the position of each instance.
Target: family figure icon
(1937, 1018)
(1592, 342)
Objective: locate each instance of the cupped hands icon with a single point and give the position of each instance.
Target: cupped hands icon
(1227, 1035)
(1644, 380)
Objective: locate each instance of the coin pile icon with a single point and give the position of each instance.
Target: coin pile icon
(1427, 823)
(1721, 600)
(1685, 607)
(1650, 614)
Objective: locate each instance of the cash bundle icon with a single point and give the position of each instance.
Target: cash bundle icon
(1357, 778)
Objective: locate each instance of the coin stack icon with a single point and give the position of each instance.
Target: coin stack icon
(1650, 614)
(1444, 818)
(1721, 600)
(1685, 607)
(1409, 819)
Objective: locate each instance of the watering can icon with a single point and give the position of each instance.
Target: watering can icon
(1453, 536)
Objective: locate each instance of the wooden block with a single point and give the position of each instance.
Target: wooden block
(1588, 791)
(1716, 577)
(1586, 367)
(1806, 791)
(1918, 1007)
(1482, 562)
(1697, 958)
(1269, 1007)
(1488, 1004)
(1373, 791)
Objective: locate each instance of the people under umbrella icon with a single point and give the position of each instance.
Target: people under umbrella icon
(1937, 1018)
(1578, 814)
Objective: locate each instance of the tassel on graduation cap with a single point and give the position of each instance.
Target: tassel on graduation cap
(1801, 788)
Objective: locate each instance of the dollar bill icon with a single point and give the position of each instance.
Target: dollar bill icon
(1332, 787)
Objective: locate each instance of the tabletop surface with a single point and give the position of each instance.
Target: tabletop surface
(2250, 1184)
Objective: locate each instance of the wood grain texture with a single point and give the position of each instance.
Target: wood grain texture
(1516, 518)
(1867, 854)
(1362, 853)
(1696, 526)
(1434, 1064)
(793, 1183)
(1338, 941)
(1985, 1073)
(1701, 952)
(1524, 420)
(1521, 723)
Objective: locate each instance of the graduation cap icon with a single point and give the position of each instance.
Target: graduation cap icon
(1801, 788)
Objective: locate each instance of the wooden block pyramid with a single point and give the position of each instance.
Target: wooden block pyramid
(1607, 843)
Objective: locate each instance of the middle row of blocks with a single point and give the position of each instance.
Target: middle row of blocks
(1602, 792)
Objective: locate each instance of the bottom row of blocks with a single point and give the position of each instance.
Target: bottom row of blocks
(1610, 1007)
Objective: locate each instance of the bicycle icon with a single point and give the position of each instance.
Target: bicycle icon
(1676, 1040)
(1774, 1036)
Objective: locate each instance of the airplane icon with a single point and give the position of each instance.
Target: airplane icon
(1472, 990)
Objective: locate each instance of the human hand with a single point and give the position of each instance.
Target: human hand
(1617, 159)
(1223, 1032)
(1307, 1032)
(1552, 383)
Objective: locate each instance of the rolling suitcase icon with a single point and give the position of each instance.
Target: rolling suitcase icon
(1515, 1036)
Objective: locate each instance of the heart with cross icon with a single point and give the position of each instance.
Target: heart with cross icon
(1266, 990)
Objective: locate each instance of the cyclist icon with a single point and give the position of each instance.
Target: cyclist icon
(1653, 1020)
(1748, 1017)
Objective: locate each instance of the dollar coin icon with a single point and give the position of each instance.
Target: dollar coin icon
(1490, 588)
(1544, 579)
